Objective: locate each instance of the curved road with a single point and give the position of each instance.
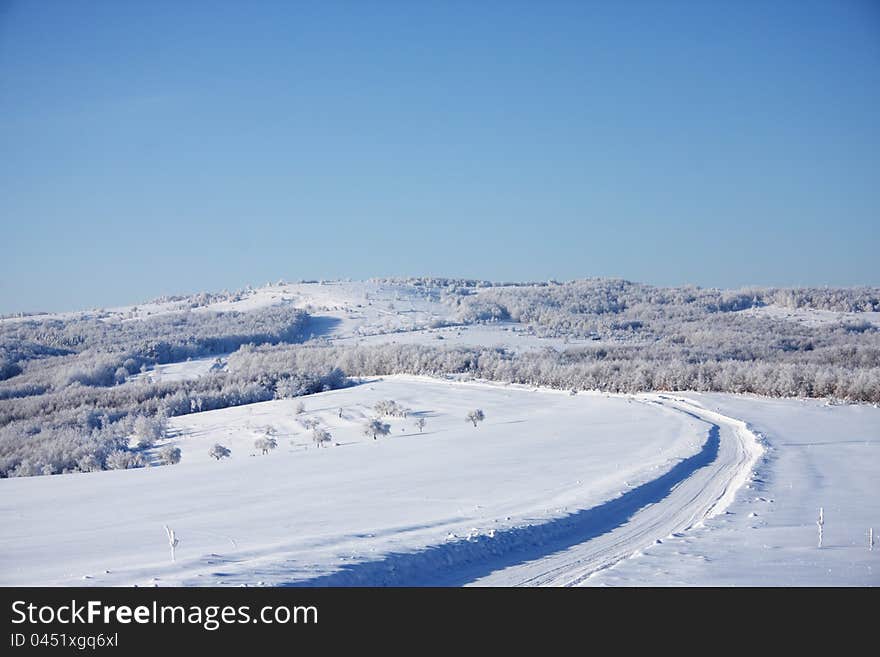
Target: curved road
(703, 486)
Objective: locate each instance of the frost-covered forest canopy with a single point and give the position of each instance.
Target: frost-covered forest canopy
(72, 390)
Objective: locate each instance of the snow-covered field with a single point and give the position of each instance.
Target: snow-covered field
(818, 456)
(502, 334)
(812, 317)
(552, 489)
(301, 512)
(187, 369)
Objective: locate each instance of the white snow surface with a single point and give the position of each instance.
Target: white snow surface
(423, 505)
(552, 489)
(812, 317)
(817, 455)
(181, 371)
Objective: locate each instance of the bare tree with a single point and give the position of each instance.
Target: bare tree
(475, 416)
(376, 427)
(420, 423)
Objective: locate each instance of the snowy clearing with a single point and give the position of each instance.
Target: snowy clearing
(813, 317)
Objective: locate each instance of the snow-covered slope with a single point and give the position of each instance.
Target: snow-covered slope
(377, 306)
(818, 455)
(301, 512)
(551, 489)
(812, 317)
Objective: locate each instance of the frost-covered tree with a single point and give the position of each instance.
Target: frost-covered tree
(376, 427)
(169, 455)
(265, 444)
(218, 452)
(420, 423)
(120, 375)
(320, 436)
(148, 430)
(475, 416)
(390, 407)
(124, 460)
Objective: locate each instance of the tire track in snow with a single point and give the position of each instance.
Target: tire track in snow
(707, 492)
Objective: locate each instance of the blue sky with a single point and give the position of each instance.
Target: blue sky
(168, 147)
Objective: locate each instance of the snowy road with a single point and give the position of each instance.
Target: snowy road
(699, 487)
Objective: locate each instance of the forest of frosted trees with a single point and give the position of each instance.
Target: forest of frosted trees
(66, 399)
(69, 399)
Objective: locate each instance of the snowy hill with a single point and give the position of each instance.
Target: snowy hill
(587, 470)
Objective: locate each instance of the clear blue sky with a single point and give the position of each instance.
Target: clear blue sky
(162, 147)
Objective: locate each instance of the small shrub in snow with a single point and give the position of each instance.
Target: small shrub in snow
(124, 460)
(300, 408)
(169, 455)
(390, 407)
(89, 463)
(377, 428)
(321, 436)
(218, 451)
(475, 416)
(420, 423)
(265, 444)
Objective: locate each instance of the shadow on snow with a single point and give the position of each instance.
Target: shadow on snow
(458, 562)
